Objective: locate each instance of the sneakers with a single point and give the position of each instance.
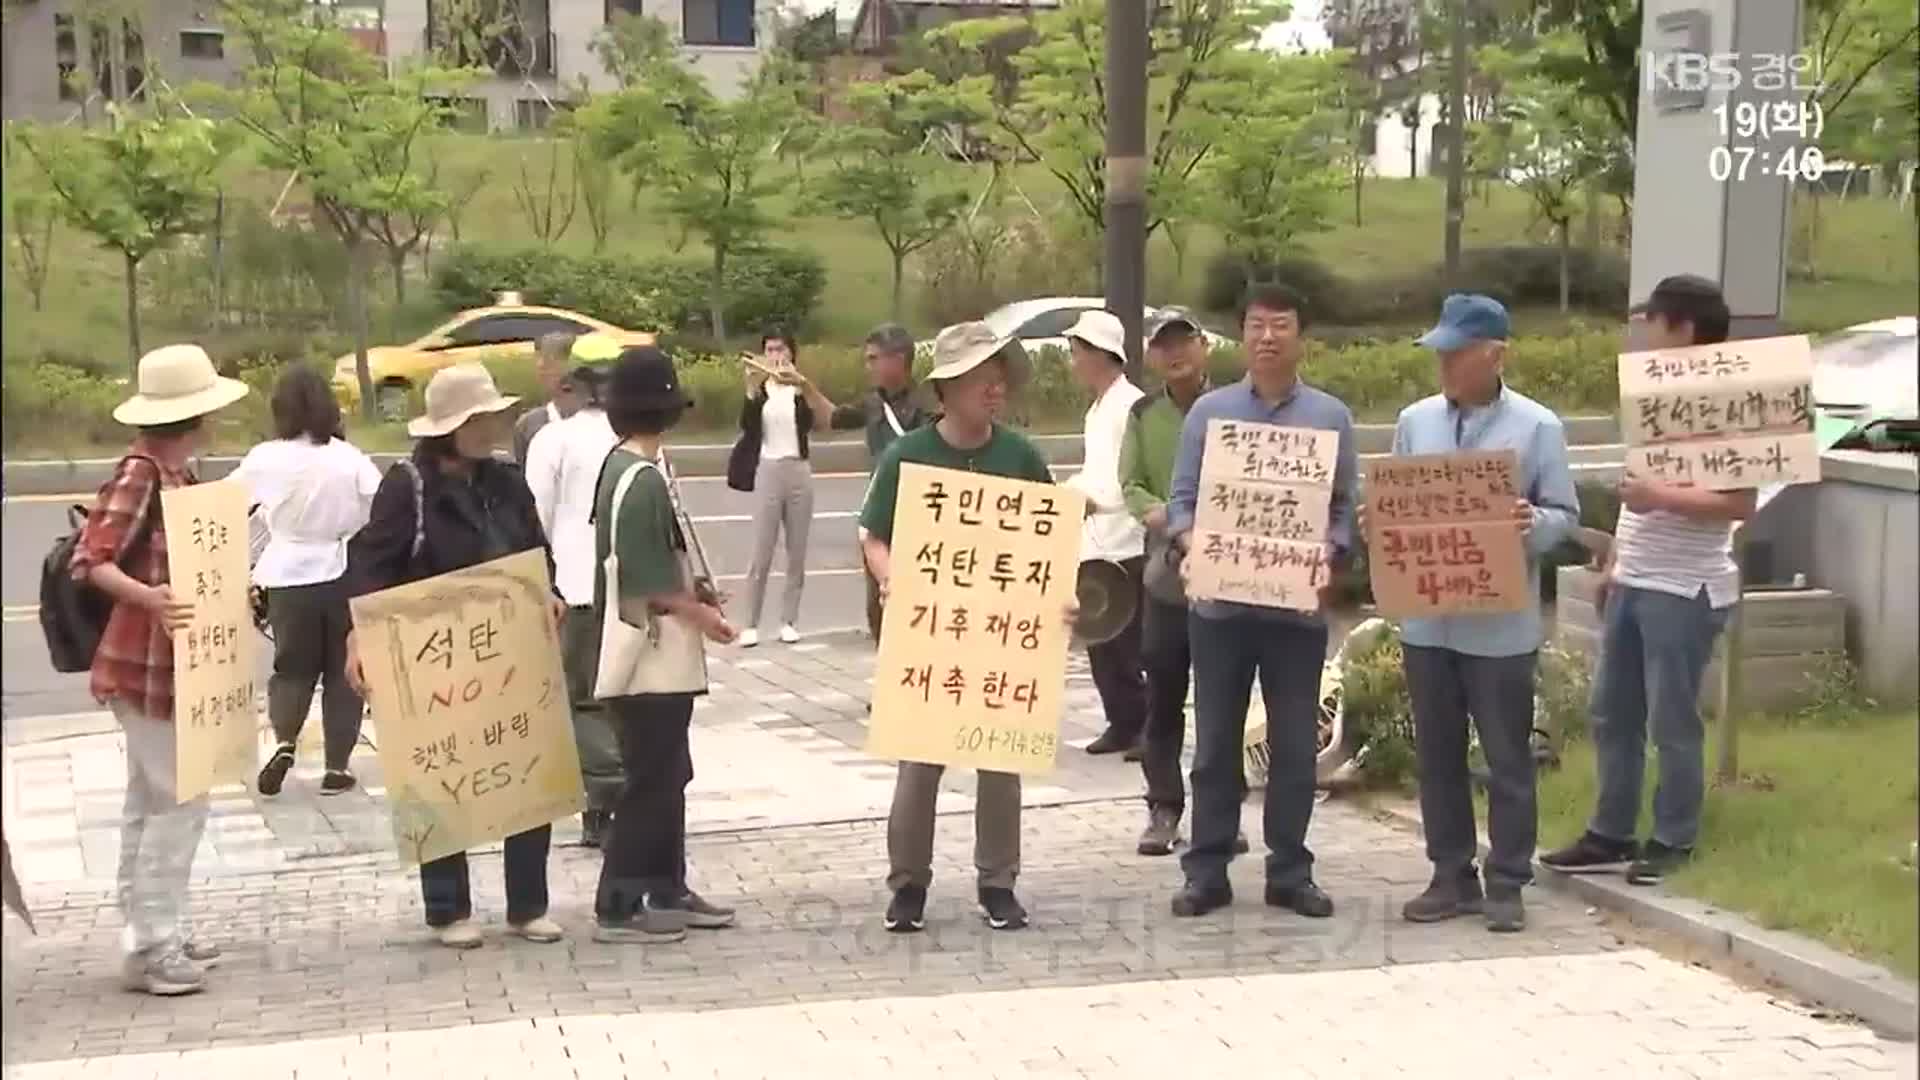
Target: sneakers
(703, 914)
(458, 935)
(788, 635)
(1193, 901)
(204, 953)
(165, 973)
(1656, 861)
(593, 827)
(650, 924)
(1303, 899)
(1506, 914)
(1001, 909)
(337, 782)
(542, 930)
(1162, 834)
(1110, 743)
(1449, 895)
(748, 638)
(907, 913)
(1592, 854)
(274, 774)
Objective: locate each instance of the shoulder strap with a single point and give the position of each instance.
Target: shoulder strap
(143, 532)
(419, 507)
(893, 420)
(619, 495)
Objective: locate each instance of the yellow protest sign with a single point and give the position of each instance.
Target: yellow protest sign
(973, 644)
(467, 692)
(1260, 527)
(1723, 417)
(1442, 539)
(213, 665)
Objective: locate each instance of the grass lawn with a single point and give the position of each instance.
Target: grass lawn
(1812, 842)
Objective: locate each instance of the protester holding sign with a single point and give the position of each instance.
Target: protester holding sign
(448, 506)
(974, 370)
(123, 552)
(1667, 587)
(1231, 641)
(1479, 665)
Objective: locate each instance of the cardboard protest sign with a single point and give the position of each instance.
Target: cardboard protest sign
(1442, 539)
(1723, 417)
(1260, 527)
(973, 645)
(465, 683)
(215, 727)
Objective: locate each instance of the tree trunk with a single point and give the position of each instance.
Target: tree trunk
(357, 310)
(1359, 183)
(397, 259)
(716, 298)
(133, 316)
(1592, 221)
(219, 258)
(899, 275)
(1566, 245)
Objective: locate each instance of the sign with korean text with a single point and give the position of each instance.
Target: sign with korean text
(1442, 536)
(973, 645)
(1722, 417)
(1260, 527)
(467, 692)
(215, 726)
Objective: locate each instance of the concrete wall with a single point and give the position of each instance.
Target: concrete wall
(29, 79)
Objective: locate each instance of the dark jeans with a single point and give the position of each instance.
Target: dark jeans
(1288, 658)
(592, 734)
(310, 624)
(1446, 688)
(1117, 673)
(646, 845)
(1169, 662)
(449, 896)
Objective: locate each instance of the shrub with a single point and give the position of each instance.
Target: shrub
(56, 406)
(965, 274)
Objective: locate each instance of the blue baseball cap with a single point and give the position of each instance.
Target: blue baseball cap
(1464, 319)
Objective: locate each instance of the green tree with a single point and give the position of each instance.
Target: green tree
(32, 210)
(136, 185)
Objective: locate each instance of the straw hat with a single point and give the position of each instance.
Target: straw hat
(177, 382)
(964, 346)
(455, 395)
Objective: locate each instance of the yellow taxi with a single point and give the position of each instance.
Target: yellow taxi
(506, 331)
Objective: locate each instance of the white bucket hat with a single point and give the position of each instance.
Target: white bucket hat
(964, 346)
(455, 395)
(177, 382)
(1102, 330)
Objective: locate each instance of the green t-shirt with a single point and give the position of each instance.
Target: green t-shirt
(649, 541)
(1006, 453)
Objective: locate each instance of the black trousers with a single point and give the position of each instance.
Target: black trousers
(645, 848)
(310, 624)
(449, 895)
(1169, 662)
(1117, 671)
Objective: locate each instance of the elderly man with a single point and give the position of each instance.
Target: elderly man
(552, 361)
(892, 407)
(1482, 666)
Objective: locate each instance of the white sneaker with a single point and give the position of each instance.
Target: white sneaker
(459, 935)
(749, 638)
(789, 635)
(542, 930)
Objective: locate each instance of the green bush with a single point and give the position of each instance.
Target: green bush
(58, 406)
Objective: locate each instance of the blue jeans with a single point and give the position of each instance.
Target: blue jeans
(1654, 649)
(1288, 657)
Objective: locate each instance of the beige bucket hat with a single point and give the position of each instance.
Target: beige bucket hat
(1102, 330)
(455, 395)
(964, 346)
(177, 382)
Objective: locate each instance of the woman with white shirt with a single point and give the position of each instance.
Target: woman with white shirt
(782, 407)
(314, 490)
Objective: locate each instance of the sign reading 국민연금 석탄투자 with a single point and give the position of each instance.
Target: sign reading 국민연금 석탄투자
(1441, 535)
(215, 727)
(1721, 417)
(1260, 525)
(973, 644)
(467, 691)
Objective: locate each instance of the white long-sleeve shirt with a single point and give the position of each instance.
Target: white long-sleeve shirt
(312, 497)
(563, 472)
(1110, 531)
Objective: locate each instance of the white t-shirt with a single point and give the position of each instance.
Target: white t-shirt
(563, 472)
(1672, 553)
(312, 498)
(1113, 533)
(779, 423)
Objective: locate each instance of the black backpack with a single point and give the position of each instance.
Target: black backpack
(73, 614)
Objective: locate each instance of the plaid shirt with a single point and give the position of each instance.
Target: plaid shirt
(135, 660)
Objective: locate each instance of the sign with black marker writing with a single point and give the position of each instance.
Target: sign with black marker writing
(1442, 537)
(216, 738)
(1260, 526)
(1722, 417)
(465, 683)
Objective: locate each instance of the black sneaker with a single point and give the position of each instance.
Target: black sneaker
(337, 782)
(1162, 834)
(1111, 743)
(703, 914)
(1002, 910)
(1303, 899)
(907, 914)
(1448, 895)
(1506, 914)
(1656, 861)
(593, 827)
(1193, 901)
(275, 772)
(1592, 854)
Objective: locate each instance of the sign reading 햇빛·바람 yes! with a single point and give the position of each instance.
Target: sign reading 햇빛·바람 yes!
(1442, 539)
(1722, 417)
(1260, 526)
(973, 645)
(465, 683)
(214, 721)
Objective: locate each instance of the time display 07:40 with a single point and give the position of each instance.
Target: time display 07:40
(1737, 163)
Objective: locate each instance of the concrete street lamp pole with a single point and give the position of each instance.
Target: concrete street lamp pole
(1126, 202)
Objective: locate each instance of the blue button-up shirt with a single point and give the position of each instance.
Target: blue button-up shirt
(1303, 407)
(1512, 421)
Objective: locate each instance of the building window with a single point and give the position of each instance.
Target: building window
(624, 7)
(467, 114)
(203, 45)
(717, 22)
(134, 52)
(66, 57)
(532, 114)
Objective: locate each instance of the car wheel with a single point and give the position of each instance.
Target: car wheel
(391, 401)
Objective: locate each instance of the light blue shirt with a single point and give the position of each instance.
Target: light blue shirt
(1512, 421)
(1303, 407)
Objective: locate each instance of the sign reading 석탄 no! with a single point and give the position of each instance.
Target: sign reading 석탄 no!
(973, 644)
(465, 683)
(1442, 538)
(1260, 526)
(215, 726)
(1722, 417)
